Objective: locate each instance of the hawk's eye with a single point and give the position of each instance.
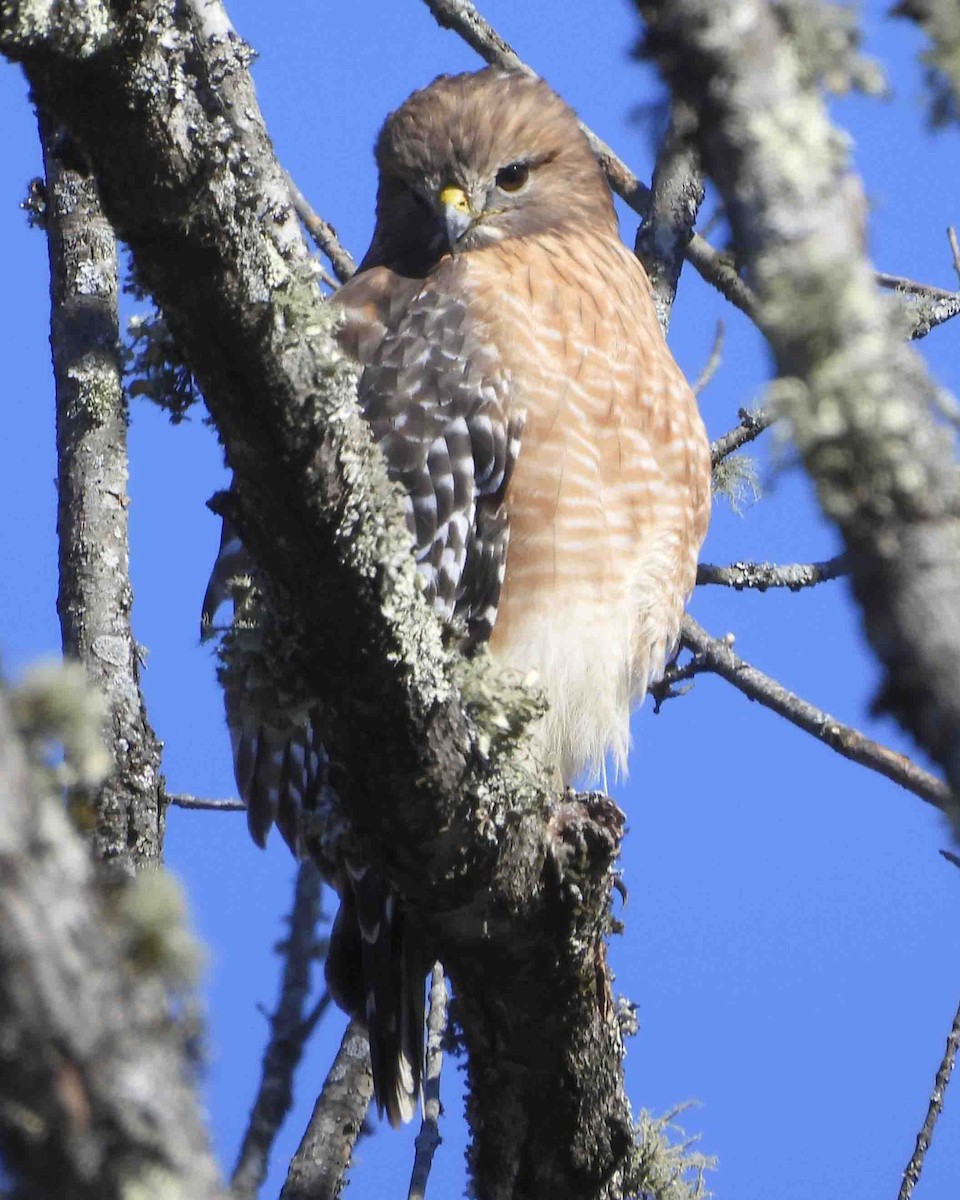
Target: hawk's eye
(512, 178)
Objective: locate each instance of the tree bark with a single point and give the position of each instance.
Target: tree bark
(97, 1098)
(95, 595)
(862, 409)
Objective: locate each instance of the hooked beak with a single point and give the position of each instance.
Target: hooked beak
(457, 214)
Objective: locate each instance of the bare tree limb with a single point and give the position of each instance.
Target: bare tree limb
(97, 1097)
(95, 593)
(717, 656)
(712, 365)
(765, 575)
(752, 424)
(322, 232)
(720, 271)
(675, 199)
(318, 1169)
(911, 1176)
(289, 1028)
(428, 1139)
(954, 249)
(861, 406)
(899, 283)
(204, 803)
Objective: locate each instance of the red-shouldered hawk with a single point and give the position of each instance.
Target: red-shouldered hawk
(554, 463)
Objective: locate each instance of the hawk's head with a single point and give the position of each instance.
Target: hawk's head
(474, 159)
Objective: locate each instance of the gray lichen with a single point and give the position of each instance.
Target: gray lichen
(827, 38)
(665, 1164)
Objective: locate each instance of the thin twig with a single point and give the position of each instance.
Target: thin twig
(204, 803)
(925, 305)
(752, 424)
(954, 248)
(428, 1139)
(712, 654)
(463, 18)
(915, 1166)
(712, 365)
(763, 575)
(289, 1029)
(900, 283)
(322, 232)
(319, 1166)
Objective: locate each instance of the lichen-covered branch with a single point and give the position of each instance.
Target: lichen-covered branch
(95, 593)
(510, 883)
(717, 656)
(289, 1028)
(97, 1098)
(761, 576)
(319, 1167)
(861, 408)
(925, 306)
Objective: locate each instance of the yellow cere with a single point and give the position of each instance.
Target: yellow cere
(455, 197)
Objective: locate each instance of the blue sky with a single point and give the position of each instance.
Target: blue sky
(791, 934)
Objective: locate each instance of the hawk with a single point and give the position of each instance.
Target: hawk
(554, 466)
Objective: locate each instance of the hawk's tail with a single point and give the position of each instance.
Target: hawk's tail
(373, 932)
(375, 968)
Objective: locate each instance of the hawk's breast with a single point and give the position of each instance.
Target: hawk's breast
(608, 503)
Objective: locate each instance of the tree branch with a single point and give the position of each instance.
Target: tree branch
(204, 803)
(511, 884)
(429, 1138)
(712, 654)
(860, 404)
(318, 1169)
(97, 1083)
(752, 424)
(761, 576)
(712, 365)
(925, 306)
(95, 593)
(322, 232)
(289, 1029)
(665, 232)
(911, 1176)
